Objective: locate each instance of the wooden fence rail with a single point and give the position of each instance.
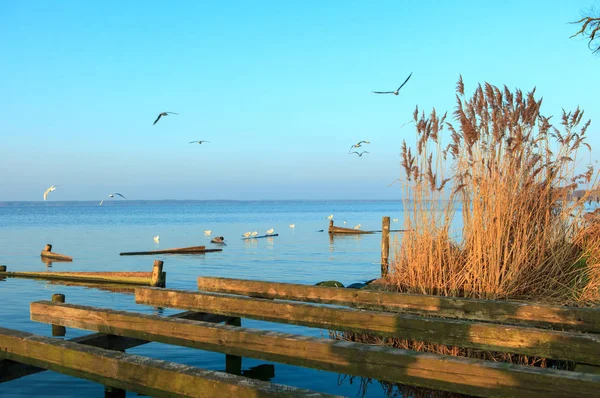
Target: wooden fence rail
(578, 347)
(579, 319)
(455, 374)
(132, 372)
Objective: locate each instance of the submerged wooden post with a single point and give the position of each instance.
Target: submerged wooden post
(2, 268)
(48, 248)
(114, 392)
(58, 330)
(158, 276)
(233, 363)
(385, 245)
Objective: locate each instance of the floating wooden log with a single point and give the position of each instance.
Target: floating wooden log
(578, 347)
(573, 318)
(258, 237)
(10, 370)
(443, 372)
(180, 250)
(47, 253)
(130, 278)
(340, 230)
(133, 372)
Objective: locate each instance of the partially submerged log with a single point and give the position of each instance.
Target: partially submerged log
(130, 278)
(340, 230)
(47, 253)
(258, 237)
(179, 250)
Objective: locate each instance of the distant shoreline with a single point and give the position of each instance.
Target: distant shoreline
(177, 201)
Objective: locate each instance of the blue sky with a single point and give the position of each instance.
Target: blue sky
(280, 89)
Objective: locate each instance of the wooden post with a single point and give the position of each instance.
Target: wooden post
(158, 276)
(48, 248)
(57, 330)
(385, 245)
(2, 268)
(233, 363)
(114, 392)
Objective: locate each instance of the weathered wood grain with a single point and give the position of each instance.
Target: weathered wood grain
(578, 347)
(580, 319)
(454, 374)
(132, 372)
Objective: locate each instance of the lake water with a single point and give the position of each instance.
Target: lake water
(95, 235)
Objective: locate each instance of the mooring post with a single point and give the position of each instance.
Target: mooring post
(385, 245)
(2, 268)
(48, 248)
(233, 363)
(159, 278)
(58, 330)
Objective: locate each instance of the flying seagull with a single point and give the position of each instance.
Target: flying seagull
(102, 201)
(47, 191)
(397, 90)
(199, 142)
(358, 145)
(112, 195)
(163, 114)
(360, 153)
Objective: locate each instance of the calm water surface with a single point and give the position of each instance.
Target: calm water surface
(95, 235)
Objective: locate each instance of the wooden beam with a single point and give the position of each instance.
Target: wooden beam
(580, 319)
(177, 250)
(133, 372)
(578, 347)
(10, 370)
(130, 278)
(48, 254)
(385, 245)
(454, 374)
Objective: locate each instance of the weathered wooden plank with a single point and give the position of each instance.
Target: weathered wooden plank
(10, 370)
(177, 250)
(454, 374)
(130, 278)
(133, 372)
(580, 319)
(48, 254)
(579, 347)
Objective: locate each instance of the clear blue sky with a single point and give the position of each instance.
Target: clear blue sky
(280, 88)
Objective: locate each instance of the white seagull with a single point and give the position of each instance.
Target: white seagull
(156, 239)
(292, 225)
(330, 217)
(254, 233)
(358, 145)
(357, 226)
(247, 234)
(207, 232)
(47, 191)
(270, 231)
(397, 90)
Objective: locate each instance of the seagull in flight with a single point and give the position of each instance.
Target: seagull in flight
(199, 142)
(47, 191)
(359, 153)
(397, 90)
(358, 145)
(164, 114)
(112, 195)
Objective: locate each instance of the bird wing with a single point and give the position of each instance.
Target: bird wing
(45, 195)
(382, 92)
(116, 193)
(363, 142)
(191, 142)
(159, 115)
(172, 113)
(355, 153)
(404, 81)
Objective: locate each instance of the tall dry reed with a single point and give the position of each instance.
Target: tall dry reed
(512, 174)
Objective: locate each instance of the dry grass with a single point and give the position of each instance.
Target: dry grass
(510, 174)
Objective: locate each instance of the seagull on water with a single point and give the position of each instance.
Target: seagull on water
(358, 145)
(112, 195)
(359, 153)
(254, 233)
(199, 142)
(292, 225)
(164, 114)
(357, 226)
(156, 239)
(397, 90)
(247, 234)
(270, 231)
(47, 191)
(330, 217)
(207, 232)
